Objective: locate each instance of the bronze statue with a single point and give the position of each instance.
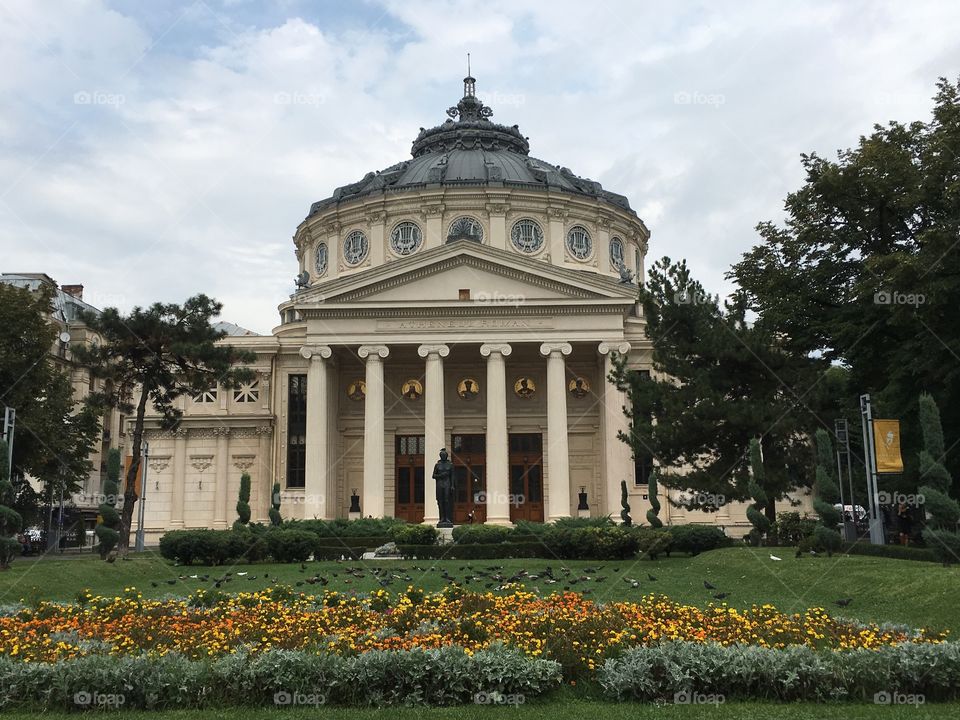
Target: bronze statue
(443, 474)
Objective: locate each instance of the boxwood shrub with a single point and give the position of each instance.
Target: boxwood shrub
(695, 539)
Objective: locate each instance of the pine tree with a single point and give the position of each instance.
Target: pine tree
(243, 504)
(10, 520)
(755, 512)
(654, 510)
(108, 530)
(827, 495)
(275, 518)
(944, 512)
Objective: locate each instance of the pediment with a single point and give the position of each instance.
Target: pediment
(489, 274)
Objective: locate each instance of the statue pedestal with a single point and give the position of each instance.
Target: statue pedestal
(446, 535)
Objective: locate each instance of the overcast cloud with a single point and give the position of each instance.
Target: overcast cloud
(152, 151)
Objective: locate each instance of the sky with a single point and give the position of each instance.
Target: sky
(154, 150)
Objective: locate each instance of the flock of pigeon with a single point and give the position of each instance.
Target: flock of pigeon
(490, 577)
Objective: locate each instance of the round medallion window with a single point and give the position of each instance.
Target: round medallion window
(355, 248)
(579, 243)
(321, 259)
(465, 228)
(527, 236)
(405, 238)
(616, 253)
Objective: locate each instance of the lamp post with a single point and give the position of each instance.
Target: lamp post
(9, 421)
(870, 464)
(143, 496)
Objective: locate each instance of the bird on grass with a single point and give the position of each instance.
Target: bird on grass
(708, 586)
(721, 595)
(651, 578)
(774, 557)
(844, 602)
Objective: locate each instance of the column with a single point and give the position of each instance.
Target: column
(315, 489)
(373, 446)
(434, 428)
(617, 455)
(179, 477)
(555, 235)
(498, 466)
(264, 473)
(558, 455)
(220, 490)
(498, 226)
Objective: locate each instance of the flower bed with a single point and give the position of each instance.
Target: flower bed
(576, 632)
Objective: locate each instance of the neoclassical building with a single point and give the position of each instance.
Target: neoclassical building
(471, 297)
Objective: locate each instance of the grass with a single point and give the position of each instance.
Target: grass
(883, 590)
(574, 709)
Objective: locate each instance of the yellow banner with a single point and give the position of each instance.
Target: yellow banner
(886, 437)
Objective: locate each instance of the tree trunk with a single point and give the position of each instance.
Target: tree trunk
(130, 489)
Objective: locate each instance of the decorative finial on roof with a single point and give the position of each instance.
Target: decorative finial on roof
(469, 107)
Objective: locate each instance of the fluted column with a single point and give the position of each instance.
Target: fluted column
(373, 446)
(434, 427)
(558, 454)
(315, 489)
(617, 457)
(179, 477)
(498, 465)
(220, 489)
(264, 472)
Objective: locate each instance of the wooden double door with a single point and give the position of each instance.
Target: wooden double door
(469, 456)
(409, 478)
(526, 477)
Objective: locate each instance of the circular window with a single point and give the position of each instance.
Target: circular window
(405, 238)
(616, 253)
(579, 243)
(355, 248)
(527, 236)
(465, 228)
(321, 259)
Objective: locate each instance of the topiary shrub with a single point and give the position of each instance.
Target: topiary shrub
(755, 514)
(654, 510)
(943, 511)
(108, 529)
(275, 519)
(827, 495)
(653, 542)
(286, 546)
(243, 503)
(414, 534)
(791, 528)
(695, 539)
(481, 534)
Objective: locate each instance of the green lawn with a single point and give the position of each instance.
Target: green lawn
(550, 711)
(883, 590)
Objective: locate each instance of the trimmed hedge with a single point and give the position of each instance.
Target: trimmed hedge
(445, 676)
(896, 552)
(796, 673)
(695, 539)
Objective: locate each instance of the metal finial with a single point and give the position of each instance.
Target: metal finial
(468, 64)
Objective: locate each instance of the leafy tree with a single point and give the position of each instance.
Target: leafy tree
(756, 512)
(864, 272)
(941, 533)
(54, 436)
(10, 520)
(155, 355)
(654, 510)
(719, 382)
(107, 530)
(827, 495)
(243, 504)
(275, 518)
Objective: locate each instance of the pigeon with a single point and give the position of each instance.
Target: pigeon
(171, 582)
(154, 584)
(708, 586)
(721, 595)
(241, 574)
(651, 577)
(774, 557)
(844, 602)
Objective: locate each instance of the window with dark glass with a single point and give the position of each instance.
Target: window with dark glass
(296, 431)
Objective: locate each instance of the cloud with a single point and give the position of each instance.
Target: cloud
(152, 152)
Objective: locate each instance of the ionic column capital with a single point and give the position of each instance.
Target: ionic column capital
(316, 352)
(487, 349)
(611, 346)
(563, 348)
(373, 352)
(441, 350)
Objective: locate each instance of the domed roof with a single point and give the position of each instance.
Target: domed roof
(469, 149)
